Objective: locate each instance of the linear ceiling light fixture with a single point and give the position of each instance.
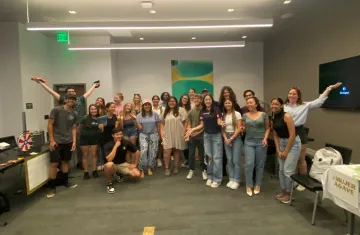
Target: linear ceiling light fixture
(149, 25)
(157, 46)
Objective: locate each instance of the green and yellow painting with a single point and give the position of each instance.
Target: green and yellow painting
(187, 74)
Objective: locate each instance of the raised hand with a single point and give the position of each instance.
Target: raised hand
(38, 79)
(335, 85)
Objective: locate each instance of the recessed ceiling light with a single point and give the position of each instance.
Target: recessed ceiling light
(141, 38)
(244, 37)
(152, 11)
(193, 38)
(231, 10)
(72, 12)
(287, 1)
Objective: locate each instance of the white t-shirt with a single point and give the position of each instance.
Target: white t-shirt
(228, 121)
(159, 111)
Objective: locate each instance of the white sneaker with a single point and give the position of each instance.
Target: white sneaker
(208, 182)
(215, 185)
(190, 175)
(110, 188)
(159, 163)
(300, 188)
(234, 185)
(204, 175)
(229, 184)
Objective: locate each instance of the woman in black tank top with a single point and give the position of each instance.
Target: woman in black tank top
(288, 147)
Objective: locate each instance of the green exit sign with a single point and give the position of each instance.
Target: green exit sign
(62, 37)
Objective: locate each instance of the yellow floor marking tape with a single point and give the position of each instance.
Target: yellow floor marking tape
(149, 231)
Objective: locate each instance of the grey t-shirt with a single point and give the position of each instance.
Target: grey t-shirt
(79, 106)
(255, 128)
(64, 121)
(149, 124)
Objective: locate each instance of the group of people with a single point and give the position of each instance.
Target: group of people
(132, 139)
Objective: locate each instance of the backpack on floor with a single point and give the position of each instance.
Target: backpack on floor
(323, 159)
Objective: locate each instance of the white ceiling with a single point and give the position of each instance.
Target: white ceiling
(175, 10)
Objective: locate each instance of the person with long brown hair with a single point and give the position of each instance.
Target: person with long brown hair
(232, 142)
(185, 103)
(90, 132)
(228, 93)
(100, 104)
(299, 111)
(172, 131)
(257, 128)
(288, 147)
(210, 121)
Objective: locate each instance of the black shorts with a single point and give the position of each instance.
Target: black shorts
(300, 131)
(85, 141)
(61, 153)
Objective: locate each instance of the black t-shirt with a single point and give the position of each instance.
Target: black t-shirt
(120, 156)
(280, 126)
(110, 125)
(210, 122)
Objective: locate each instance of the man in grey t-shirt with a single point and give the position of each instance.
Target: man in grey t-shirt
(62, 134)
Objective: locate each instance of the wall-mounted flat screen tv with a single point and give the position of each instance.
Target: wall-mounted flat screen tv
(347, 71)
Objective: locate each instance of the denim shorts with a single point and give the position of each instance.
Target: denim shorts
(130, 132)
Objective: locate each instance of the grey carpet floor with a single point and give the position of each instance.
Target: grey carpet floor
(173, 205)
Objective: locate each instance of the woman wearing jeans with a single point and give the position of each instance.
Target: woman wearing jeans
(148, 125)
(233, 143)
(210, 120)
(288, 147)
(299, 111)
(257, 132)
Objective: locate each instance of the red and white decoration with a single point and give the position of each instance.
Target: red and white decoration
(25, 141)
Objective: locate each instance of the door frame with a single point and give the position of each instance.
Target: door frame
(56, 86)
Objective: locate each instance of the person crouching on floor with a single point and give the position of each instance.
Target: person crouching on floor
(115, 154)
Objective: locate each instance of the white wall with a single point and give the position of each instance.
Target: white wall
(10, 77)
(34, 58)
(148, 72)
(82, 66)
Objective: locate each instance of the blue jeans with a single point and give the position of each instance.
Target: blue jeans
(255, 156)
(287, 166)
(213, 146)
(233, 154)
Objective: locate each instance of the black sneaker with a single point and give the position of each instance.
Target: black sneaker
(110, 188)
(70, 185)
(79, 166)
(95, 174)
(86, 176)
(119, 177)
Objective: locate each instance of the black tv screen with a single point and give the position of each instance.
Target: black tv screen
(347, 71)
